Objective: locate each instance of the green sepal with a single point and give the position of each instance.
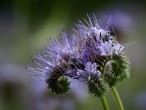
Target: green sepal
(57, 82)
(120, 70)
(97, 86)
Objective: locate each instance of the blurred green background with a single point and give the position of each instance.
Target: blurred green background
(25, 26)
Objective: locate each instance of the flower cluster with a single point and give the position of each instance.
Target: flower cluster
(90, 55)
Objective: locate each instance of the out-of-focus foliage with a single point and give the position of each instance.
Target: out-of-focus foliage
(25, 26)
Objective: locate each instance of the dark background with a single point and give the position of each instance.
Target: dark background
(25, 26)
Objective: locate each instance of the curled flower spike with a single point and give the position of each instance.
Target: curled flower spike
(54, 62)
(57, 82)
(90, 55)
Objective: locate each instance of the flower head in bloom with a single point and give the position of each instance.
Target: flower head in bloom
(85, 56)
(89, 70)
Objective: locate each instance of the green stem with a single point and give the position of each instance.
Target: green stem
(104, 103)
(115, 92)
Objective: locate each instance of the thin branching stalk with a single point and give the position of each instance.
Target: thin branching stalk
(104, 103)
(118, 99)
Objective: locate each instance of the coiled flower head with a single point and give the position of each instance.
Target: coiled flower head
(85, 56)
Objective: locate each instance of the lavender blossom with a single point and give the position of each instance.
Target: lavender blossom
(90, 69)
(84, 56)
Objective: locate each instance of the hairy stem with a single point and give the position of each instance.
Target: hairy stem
(104, 103)
(115, 92)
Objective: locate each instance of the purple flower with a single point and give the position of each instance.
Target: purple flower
(90, 69)
(110, 48)
(84, 56)
(55, 54)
